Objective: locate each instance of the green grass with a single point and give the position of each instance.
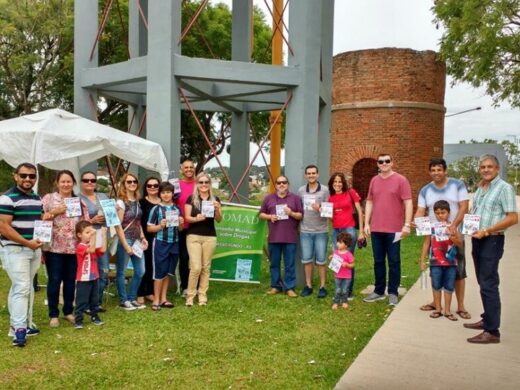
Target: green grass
(242, 339)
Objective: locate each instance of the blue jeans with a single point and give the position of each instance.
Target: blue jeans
(276, 250)
(121, 264)
(487, 253)
(341, 288)
(21, 264)
(353, 232)
(61, 267)
(314, 246)
(443, 278)
(382, 248)
(103, 274)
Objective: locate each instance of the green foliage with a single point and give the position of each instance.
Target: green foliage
(481, 44)
(466, 169)
(243, 339)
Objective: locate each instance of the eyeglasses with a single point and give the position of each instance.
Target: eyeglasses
(282, 182)
(93, 181)
(387, 161)
(152, 186)
(31, 176)
(204, 182)
(131, 182)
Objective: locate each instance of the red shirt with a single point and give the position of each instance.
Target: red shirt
(87, 263)
(343, 208)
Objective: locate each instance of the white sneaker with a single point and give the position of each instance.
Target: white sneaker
(126, 305)
(393, 299)
(372, 297)
(184, 293)
(138, 305)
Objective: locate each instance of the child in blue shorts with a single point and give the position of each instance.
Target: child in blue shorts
(442, 249)
(165, 221)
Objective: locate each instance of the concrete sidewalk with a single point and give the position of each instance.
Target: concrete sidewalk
(413, 351)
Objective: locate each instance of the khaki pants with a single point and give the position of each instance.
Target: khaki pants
(200, 249)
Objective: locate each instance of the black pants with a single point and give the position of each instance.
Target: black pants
(184, 261)
(487, 253)
(146, 286)
(87, 297)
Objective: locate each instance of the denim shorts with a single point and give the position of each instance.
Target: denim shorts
(443, 278)
(314, 246)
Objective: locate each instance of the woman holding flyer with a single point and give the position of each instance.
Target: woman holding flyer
(92, 199)
(346, 201)
(147, 203)
(201, 211)
(132, 242)
(65, 209)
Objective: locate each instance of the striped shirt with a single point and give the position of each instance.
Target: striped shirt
(24, 208)
(493, 204)
(168, 234)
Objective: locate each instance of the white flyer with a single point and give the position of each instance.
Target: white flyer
(137, 248)
(207, 209)
(280, 211)
(335, 263)
(327, 209)
(441, 231)
(423, 226)
(243, 270)
(42, 231)
(110, 212)
(470, 224)
(172, 218)
(99, 238)
(176, 185)
(73, 207)
(308, 201)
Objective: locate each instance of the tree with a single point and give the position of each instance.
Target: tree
(466, 169)
(481, 44)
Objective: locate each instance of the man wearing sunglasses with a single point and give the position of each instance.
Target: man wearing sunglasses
(283, 210)
(21, 254)
(389, 210)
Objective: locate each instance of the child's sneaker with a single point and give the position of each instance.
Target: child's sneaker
(78, 325)
(97, 321)
(19, 337)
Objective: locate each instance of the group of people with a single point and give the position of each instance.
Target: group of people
(169, 225)
(154, 232)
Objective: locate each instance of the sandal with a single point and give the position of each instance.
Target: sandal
(436, 314)
(464, 314)
(167, 305)
(451, 317)
(156, 307)
(427, 307)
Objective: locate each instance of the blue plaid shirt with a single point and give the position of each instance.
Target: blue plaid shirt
(493, 204)
(168, 234)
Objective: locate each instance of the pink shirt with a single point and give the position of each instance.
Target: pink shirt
(343, 208)
(186, 192)
(388, 196)
(344, 272)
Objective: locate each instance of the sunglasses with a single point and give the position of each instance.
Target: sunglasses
(387, 161)
(152, 186)
(92, 181)
(204, 182)
(282, 182)
(131, 182)
(31, 176)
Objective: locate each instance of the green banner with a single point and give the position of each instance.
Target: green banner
(240, 241)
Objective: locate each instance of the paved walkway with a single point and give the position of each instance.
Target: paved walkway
(412, 351)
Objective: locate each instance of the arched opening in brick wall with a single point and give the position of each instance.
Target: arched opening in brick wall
(362, 172)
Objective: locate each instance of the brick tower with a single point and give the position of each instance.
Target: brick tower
(387, 100)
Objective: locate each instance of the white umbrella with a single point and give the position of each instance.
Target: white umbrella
(58, 139)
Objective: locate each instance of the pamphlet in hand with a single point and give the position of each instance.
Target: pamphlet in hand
(99, 238)
(470, 224)
(176, 185)
(172, 218)
(423, 226)
(327, 208)
(137, 248)
(109, 209)
(441, 231)
(280, 211)
(42, 231)
(73, 207)
(335, 263)
(208, 209)
(308, 201)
